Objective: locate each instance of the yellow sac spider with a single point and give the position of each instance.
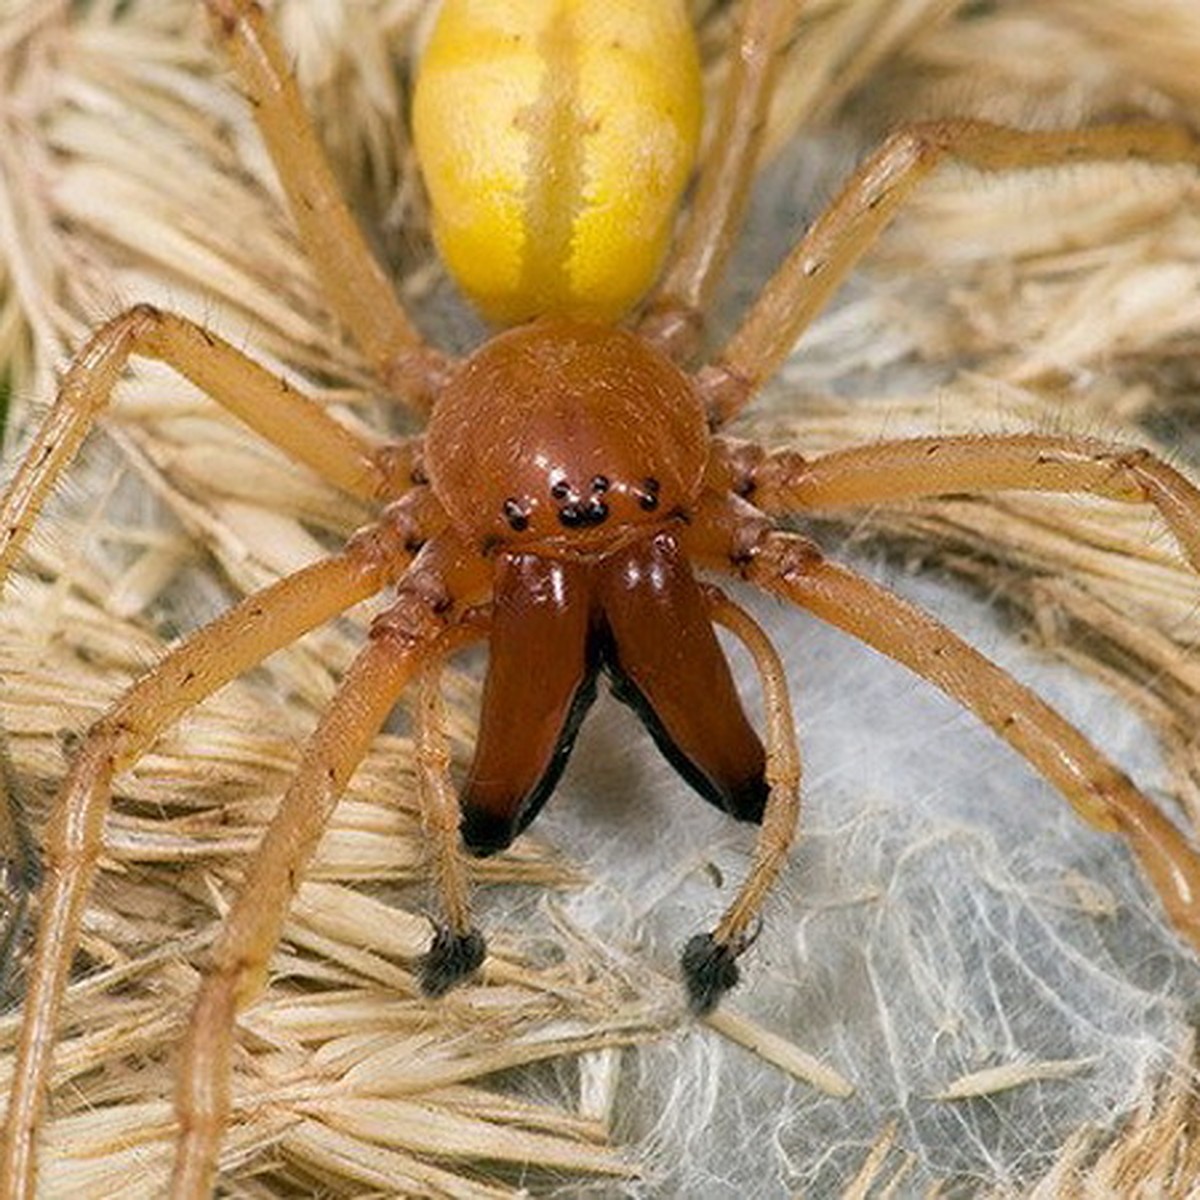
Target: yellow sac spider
(571, 483)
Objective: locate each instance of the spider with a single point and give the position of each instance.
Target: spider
(571, 483)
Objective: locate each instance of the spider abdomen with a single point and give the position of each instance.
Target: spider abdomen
(566, 436)
(523, 118)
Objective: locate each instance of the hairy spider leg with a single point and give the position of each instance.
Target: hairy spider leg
(791, 566)
(709, 959)
(457, 950)
(220, 651)
(410, 637)
(915, 468)
(360, 294)
(256, 627)
(673, 314)
(821, 260)
(267, 403)
(923, 467)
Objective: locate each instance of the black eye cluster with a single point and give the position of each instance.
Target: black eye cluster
(576, 511)
(581, 512)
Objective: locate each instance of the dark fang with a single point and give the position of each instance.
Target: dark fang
(516, 516)
(709, 971)
(580, 516)
(485, 833)
(451, 958)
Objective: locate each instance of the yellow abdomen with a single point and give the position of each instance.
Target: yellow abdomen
(556, 137)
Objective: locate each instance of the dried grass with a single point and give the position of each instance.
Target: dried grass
(129, 171)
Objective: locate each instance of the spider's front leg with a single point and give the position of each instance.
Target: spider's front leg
(432, 616)
(915, 468)
(709, 961)
(741, 540)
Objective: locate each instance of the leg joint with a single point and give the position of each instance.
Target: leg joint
(724, 391)
(389, 544)
(420, 613)
(782, 556)
(143, 314)
(107, 737)
(674, 327)
(780, 478)
(1132, 467)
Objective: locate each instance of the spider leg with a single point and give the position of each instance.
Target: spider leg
(792, 567)
(674, 312)
(847, 229)
(360, 294)
(408, 638)
(457, 950)
(913, 468)
(264, 401)
(232, 644)
(709, 959)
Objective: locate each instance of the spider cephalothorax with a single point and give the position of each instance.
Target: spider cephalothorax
(591, 470)
(565, 438)
(567, 493)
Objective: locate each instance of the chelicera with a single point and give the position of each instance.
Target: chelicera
(572, 498)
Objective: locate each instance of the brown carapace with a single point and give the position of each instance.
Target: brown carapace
(594, 466)
(569, 487)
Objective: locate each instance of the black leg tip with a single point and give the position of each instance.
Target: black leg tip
(709, 971)
(451, 958)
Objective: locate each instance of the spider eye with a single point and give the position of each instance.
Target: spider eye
(648, 496)
(581, 516)
(560, 489)
(515, 515)
(600, 484)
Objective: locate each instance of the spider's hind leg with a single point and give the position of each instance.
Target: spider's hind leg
(837, 240)
(358, 290)
(674, 313)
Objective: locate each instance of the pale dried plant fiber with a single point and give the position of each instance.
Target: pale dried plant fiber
(991, 978)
